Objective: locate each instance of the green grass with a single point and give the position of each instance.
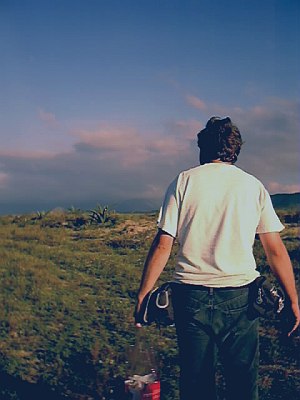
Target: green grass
(68, 293)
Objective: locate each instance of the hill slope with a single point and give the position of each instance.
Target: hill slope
(286, 201)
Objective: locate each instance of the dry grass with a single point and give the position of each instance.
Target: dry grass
(67, 293)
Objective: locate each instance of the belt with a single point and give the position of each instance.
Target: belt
(212, 289)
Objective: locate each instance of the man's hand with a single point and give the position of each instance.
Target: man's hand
(156, 261)
(296, 314)
(136, 315)
(280, 264)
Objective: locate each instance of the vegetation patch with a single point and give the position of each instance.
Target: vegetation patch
(67, 290)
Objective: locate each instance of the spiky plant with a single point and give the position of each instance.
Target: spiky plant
(74, 210)
(40, 214)
(99, 215)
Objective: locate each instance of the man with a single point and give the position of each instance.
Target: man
(214, 211)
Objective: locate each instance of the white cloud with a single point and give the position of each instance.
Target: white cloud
(107, 164)
(115, 162)
(48, 118)
(27, 154)
(129, 147)
(187, 129)
(271, 134)
(196, 102)
(275, 187)
(3, 179)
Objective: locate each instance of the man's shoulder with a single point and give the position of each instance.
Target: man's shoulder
(236, 172)
(188, 174)
(248, 176)
(233, 169)
(191, 171)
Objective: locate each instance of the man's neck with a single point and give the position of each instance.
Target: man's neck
(221, 162)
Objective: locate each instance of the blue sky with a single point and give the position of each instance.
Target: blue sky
(101, 100)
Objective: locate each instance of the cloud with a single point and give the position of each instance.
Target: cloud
(26, 154)
(130, 147)
(270, 131)
(3, 179)
(48, 118)
(113, 162)
(107, 164)
(271, 134)
(109, 138)
(196, 102)
(187, 128)
(276, 187)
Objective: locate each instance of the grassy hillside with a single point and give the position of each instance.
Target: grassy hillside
(287, 201)
(68, 285)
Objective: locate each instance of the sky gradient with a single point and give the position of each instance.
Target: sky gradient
(101, 100)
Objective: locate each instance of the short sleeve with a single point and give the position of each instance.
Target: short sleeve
(168, 216)
(269, 221)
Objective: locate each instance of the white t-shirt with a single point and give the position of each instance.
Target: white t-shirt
(215, 210)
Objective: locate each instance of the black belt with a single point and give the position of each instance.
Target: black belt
(211, 289)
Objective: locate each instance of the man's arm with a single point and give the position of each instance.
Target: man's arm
(282, 268)
(156, 261)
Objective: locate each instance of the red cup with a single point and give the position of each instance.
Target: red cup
(151, 391)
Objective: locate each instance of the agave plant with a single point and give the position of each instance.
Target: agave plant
(100, 215)
(40, 214)
(74, 210)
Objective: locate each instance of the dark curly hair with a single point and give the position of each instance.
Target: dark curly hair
(219, 140)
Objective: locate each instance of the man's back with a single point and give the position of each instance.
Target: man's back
(220, 208)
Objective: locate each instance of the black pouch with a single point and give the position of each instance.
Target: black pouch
(266, 300)
(157, 307)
